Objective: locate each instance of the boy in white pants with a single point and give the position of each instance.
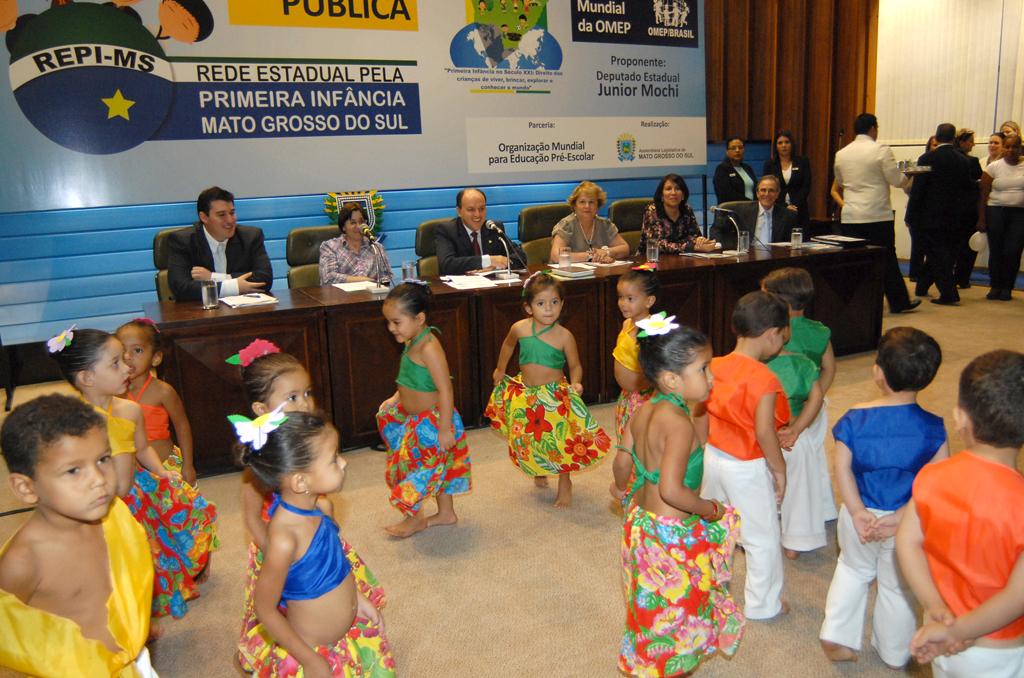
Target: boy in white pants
(961, 543)
(880, 447)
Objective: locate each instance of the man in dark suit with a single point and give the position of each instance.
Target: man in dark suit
(936, 207)
(766, 220)
(467, 244)
(217, 248)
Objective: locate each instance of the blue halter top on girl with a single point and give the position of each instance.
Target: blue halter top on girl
(323, 566)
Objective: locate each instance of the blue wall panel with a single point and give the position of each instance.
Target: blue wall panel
(94, 266)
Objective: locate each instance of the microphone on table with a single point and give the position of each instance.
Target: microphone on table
(507, 275)
(369, 234)
(729, 215)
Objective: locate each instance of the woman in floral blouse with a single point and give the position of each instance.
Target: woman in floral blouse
(350, 257)
(669, 221)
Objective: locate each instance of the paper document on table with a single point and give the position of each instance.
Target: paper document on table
(609, 265)
(252, 299)
(467, 282)
(355, 286)
(711, 255)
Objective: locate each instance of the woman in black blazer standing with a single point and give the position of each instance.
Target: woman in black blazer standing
(734, 179)
(794, 174)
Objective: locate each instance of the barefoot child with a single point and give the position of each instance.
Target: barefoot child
(549, 429)
(91, 619)
(880, 447)
(814, 340)
(803, 526)
(676, 547)
(743, 462)
(427, 451)
(161, 406)
(273, 379)
(330, 628)
(961, 541)
(179, 522)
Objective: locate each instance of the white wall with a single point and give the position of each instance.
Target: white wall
(958, 61)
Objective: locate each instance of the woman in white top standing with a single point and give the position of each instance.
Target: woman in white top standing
(1002, 190)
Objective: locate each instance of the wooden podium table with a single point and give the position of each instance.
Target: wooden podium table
(196, 343)
(343, 340)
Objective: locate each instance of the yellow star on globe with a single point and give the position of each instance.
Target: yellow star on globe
(117, 106)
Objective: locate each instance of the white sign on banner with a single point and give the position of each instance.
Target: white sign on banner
(514, 144)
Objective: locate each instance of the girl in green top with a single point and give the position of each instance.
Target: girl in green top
(549, 429)
(676, 547)
(427, 451)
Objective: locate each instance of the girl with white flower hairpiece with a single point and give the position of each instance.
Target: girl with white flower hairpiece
(276, 384)
(331, 628)
(550, 431)
(676, 547)
(180, 524)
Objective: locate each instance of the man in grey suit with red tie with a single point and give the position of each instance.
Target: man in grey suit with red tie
(935, 208)
(468, 243)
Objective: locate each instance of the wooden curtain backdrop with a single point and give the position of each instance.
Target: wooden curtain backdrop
(803, 65)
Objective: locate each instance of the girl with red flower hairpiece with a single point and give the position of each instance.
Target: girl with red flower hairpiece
(275, 379)
(549, 429)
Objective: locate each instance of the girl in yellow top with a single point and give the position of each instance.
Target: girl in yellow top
(179, 522)
(549, 429)
(638, 293)
(427, 451)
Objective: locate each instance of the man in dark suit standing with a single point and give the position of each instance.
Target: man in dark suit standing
(766, 220)
(217, 248)
(464, 244)
(935, 208)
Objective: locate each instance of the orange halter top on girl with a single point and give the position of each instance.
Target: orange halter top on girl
(155, 416)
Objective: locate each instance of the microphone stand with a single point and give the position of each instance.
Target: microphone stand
(736, 227)
(507, 275)
(379, 261)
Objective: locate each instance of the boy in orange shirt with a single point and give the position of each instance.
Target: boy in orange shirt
(743, 463)
(961, 542)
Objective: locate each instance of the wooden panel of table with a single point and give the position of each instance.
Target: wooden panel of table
(343, 340)
(364, 356)
(196, 343)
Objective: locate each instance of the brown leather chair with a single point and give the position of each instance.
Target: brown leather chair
(628, 216)
(427, 266)
(303, 254)
(535, 225)
(722, 221)
(161, 253)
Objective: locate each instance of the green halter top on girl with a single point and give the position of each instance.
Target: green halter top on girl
(411, 375)
(534, 351)
(694, 466)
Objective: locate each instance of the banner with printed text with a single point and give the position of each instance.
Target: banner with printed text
(143, 101)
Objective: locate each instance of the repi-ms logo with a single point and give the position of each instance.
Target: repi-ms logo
(626, 146)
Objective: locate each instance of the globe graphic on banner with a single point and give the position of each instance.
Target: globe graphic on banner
(480, 46)
(91, 78)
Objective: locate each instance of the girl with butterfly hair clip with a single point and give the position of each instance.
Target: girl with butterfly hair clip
(273, 379)
(306, 599)
(550, 431)
(676, 547)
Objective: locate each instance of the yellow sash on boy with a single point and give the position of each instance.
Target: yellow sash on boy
(43, 644)
(120, 432)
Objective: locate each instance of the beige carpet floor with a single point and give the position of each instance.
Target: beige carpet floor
(519, 588)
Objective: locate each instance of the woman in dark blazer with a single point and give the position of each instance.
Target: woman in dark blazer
(734, 179)
(794, 174)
